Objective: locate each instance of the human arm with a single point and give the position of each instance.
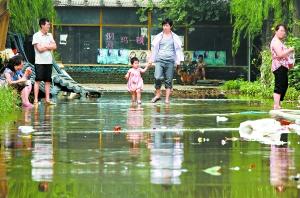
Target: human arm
(42, 46)
(143, 70)
(127, 75)
(281, 53)
(10, 81)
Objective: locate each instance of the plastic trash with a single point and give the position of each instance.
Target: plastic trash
(235, 168)
(215, 170)
(26, 129)
(221, 119)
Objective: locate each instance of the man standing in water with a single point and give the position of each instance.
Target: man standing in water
(43, 43)
(166, 51)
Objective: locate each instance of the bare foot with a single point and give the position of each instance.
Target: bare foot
(276, 107)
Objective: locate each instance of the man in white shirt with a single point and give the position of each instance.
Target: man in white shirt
(43, 43)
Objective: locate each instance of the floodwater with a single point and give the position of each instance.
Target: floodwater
(109, 148)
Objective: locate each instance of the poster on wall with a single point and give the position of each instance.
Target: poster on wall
(112, 56)
(211, 57)
(142, 55)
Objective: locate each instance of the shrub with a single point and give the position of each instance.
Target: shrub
(10, 100)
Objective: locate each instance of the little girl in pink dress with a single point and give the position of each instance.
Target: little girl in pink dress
(135, 82)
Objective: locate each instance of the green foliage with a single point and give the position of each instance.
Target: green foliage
(294, 74)
(232, 84)
(249, 16)
(25, 14)
(188, 11)
(257, 89)
(9, 100)
(266, 75)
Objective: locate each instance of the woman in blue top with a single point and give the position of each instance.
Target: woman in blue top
(166, 52)
(14, 77)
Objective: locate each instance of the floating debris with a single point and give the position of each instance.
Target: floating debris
(117, 129)
(221, 119)
(235, 168)
(215, 170)
(26, 129)
(201, 139)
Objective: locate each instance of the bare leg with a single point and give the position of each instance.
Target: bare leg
(168, 93)
(276, 101)
(133, 96)
(47, 91)
(157, 93)
(25, 96)
(139, 96)
(203, 73)
(36, 91)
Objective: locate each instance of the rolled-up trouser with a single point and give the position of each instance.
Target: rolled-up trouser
(164, 70)
(281, 81)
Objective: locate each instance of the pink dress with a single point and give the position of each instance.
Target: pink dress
(135, 80)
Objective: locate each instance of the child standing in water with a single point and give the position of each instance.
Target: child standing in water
(135, 82)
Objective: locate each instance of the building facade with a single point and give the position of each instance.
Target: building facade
(101, 36)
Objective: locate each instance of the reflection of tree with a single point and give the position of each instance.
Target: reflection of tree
(3, 177)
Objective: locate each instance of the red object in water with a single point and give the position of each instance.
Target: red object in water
(284, 122)
(117, 129)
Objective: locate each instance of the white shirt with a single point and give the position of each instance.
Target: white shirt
(46, 56)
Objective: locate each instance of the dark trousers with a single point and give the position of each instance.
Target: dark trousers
(281, 81)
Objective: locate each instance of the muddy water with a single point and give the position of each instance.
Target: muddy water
(108, 147)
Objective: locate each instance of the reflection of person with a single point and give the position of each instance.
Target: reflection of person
(135, 82)
(43, 45)
(166, 51)
(200, 70)
(280, 64)
(135, 121)
(281, 162)
(14, 77)
(42, 151)
(166, 150)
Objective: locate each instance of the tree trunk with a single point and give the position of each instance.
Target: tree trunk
(297, 2)
(296, 28)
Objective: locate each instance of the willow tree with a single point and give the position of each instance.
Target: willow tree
(249, 18)
(25, 14)
(188, 12)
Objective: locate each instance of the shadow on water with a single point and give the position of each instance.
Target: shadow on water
(110, 147)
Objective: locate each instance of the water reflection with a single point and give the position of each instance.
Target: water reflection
(42, 150)
(281, 164)
(166, 150)
(93, 161)
(135, 121)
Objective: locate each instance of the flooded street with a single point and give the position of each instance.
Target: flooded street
(109, 148)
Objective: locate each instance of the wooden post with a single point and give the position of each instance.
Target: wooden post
(4, 22)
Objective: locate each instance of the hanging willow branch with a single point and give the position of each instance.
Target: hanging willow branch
(248, 17)
(25, 14)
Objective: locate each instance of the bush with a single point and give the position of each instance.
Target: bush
(257, 90)
(10, 100)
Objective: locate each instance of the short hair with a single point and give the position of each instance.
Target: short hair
(167, 21)
(281, 25)
(200, 56)
(14, 61)
(133, 59)
(43, 21)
